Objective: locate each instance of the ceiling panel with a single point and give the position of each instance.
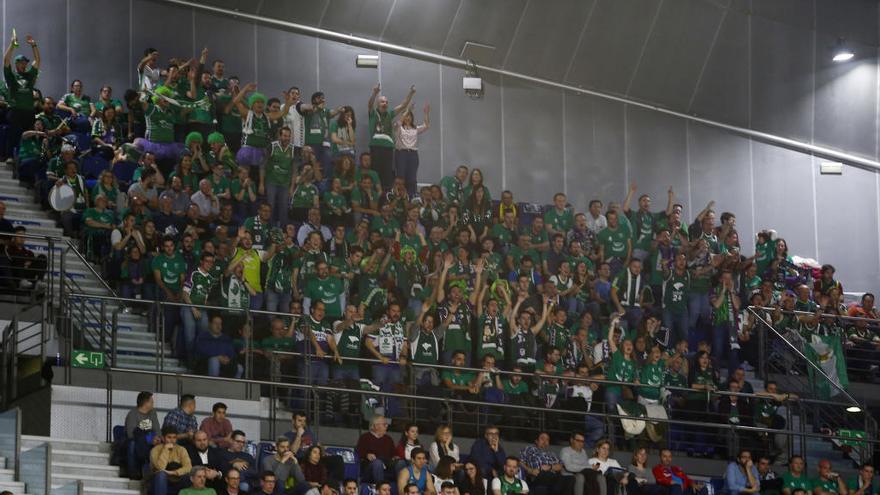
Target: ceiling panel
(489, 22)
(420, 24)
(782, 83)
(676, 52)
(542, 45)
(358, 17)
(308, 13)
(612, 42)
(723, 91)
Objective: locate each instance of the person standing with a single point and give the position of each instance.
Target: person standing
(406, 150)
(20, 79)
(381, 142)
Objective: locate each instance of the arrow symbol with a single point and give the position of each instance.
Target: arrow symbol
(81, 359)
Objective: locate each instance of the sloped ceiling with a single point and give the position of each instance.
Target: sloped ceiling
(675, 53)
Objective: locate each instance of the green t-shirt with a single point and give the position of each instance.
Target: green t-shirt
(30, 148)
(304, 196)
(675, 291)
(560, 222)
(461, 378)
(502, 234)
(105, 216)
(328, 290)
(279, 165)
(335, 201)
(160, 124)
(317, 127)
(203, 113)
(236, 188)
(380, 128)
(621, 370)
(219, 185)
(21, 86)
(511, 389)
(78, 103)
(644, 223)
(651, 374)
(349, 340)
(279, 276)
(802, 482)
(702, 377)
(197, 491)
(100, 105)
(341, 134)
(280, 344)
(614, 242)
(170, 269)
(557, 335)
(764, 254)
(385, 228)
(452, 189)
(198, 286)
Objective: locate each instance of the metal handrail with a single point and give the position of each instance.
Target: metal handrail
(599, 381)
(725, 426)
(813, 313)
(88, 265)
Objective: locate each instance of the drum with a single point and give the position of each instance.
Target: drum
(61, 197)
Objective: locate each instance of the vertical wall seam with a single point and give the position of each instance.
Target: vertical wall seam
(317, 62)
(877, 104)
(687, 161)
(503, 147)
(625, 149)
(66, 48)
(131, 83)
(877, 200)
(813, 135)
(323, 12)
(451, 27)
(752, 187)
(564, 165)
(580, 40)
(708, 57)
(193, 30)
(256, 55)
(635, 73)
(515, 33)
(442, 122)
(387, 19)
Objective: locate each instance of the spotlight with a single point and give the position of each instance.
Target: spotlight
(367, 61)
(842, 52)
(853, 409)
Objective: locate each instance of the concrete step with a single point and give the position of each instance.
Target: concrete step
(7, 475)
(90, 490)
(105, 471)
(22, 197)
(15, 487)
(30, 220)
(137, 365)
(2, 463)
(31, 441)
(80, 457)
(95, 481)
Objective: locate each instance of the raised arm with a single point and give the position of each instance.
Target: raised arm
(448, 261)
(629, 196)
(7, 55)
(31, 41)
(372, 101)
(237, 101)
(670, 200)
(536, 328)
(478, 267)
(612, 345)
(406, 101)
(426, 124)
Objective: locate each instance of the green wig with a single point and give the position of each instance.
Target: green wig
(216, 137)
(162, 91)
(255, 97)
(193, 137)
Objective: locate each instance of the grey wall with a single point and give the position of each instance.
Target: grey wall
(761, 64)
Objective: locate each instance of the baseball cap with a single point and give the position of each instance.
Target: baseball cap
(21, 58)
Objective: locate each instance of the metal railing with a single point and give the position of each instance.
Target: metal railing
(781, 359)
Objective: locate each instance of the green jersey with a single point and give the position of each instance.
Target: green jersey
(21, 86)
(255, 130)
(343, 134)
(30, 148)
(204, 112)
(317, 127)
(559, 221)
(198, 286)
(652, 376)
(492, 333)
(105, 216)
(304, 196)
(801, 482)
(279, 165)
(452, 189)
(385, 228)
(170, 269)
(511, 487)
(235, 294)
(644, 223)
(160, 124)
(279, 277)
(502, 235)
(380, 128)
(614, 242)
(557, 335)
(702, 377)
(675, 291)
(219, 184)
(349, 340)
(328, 290)
(620, 370)
(764, 254)
(461, 378)
(259, 230)
(425, 348)
(100, 105)
(335, 203)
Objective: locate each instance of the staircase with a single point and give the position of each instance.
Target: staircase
(7, 480)
(136, 344)
(89, 462)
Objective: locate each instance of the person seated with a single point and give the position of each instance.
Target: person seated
(236, 457)
(198, 479)
(641, 474)
(202, 454)
(183, 418)
(508, 481)
(285, 466)
(268, 484)
(443, 446)
(610, 474)
(313, 470)
(19, 266)
(575, 461)
(376, 451)
(863, 483)
(141, 433)
(444, 473)
(218, 427)
(302, 437)
(828, 482)
(543, 466)
(674, 478)
(215, 352)
(169, 464)
(742, 475)
(488, 453)
(416, 474)
(473, 482)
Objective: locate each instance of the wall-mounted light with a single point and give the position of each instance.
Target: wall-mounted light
(853, 409)
(842, 51)
(367, 61)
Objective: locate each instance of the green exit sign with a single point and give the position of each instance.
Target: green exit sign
(87, 359)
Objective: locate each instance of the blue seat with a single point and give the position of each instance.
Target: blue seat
(264, 449)
(124, 171)
(349, 458)
(93, 165)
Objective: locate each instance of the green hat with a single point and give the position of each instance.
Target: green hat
(216, 137)
(253, 98)
(162, 91)
(193, 137)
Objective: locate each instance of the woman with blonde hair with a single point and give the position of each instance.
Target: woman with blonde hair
(610, 474)
(443, 446)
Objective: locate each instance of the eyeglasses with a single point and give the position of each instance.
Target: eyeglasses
(578, 440)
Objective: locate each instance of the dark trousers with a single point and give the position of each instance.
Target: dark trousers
(551, 483)
(406, 165)
(383, 163)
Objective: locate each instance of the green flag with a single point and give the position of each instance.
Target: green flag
(826, 353)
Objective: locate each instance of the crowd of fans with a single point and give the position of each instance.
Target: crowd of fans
(213, 457)
(199, 190)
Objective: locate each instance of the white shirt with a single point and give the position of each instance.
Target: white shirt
(434, 452)
(149, 77)
(295, 121)
(407, 138)
(207, 206)
(595, 225)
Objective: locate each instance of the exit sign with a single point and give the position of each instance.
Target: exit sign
(87, 359)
